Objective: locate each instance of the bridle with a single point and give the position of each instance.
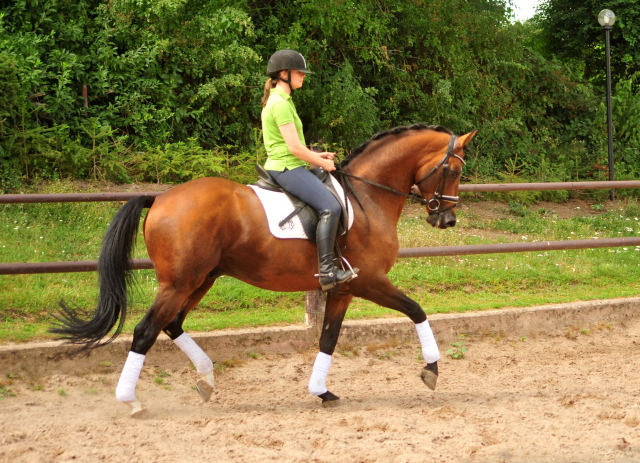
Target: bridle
(438, 197)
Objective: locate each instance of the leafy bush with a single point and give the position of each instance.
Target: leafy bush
(169, 90)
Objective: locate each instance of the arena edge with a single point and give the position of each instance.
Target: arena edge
(549, 320)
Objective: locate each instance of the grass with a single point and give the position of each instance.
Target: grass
(5, 391)
(73, 231)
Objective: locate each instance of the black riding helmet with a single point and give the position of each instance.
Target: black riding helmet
(286, 60)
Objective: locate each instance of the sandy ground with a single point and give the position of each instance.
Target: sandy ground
(571, 398)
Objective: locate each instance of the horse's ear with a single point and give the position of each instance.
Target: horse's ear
(463, 140)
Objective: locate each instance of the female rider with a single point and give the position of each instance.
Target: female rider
(287, 156)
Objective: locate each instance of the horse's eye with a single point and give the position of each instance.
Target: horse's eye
(454, 174)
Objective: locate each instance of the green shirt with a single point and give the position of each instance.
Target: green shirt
(278, 111)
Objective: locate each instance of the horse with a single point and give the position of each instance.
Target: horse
(209, 227)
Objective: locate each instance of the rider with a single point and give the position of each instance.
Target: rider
(287, 156)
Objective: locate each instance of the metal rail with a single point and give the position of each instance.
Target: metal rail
(436, 251)
(468, 187)
(549, 186)
(517, 247)
(65, 267)
(73, 197)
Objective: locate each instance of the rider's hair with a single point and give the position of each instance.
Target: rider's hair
(268, 85)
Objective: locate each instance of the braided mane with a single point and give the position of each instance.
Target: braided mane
(395, 131)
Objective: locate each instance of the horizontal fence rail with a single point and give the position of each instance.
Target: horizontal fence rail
(475, 187)
(65, 267)
(439, 251)
(436, 251)
(467, 187)
(73, 197)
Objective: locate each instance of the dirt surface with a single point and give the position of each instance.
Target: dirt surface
(470, 212)
(84, 186)
(491, 210)
(571, 398)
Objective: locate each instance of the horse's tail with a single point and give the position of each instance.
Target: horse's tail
(114, 270)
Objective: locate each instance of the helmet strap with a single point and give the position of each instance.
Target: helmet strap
(287, 81)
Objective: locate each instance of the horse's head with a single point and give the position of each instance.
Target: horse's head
(438, 178)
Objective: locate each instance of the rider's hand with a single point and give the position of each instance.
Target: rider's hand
(328, 165)
(327, 155)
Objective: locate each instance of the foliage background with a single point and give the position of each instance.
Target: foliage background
(173, 86)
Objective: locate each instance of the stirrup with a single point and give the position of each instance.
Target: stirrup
(334, 283)
(354, 271)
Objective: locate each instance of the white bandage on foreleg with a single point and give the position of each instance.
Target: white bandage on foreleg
(126, 390)
(201, 360)
(430, 350)
(321, 366)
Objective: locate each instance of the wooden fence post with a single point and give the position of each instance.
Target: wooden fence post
(315, 302)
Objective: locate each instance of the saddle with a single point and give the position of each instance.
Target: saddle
(308, 215)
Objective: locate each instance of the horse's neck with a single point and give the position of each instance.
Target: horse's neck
(394, 170)
(395, 166)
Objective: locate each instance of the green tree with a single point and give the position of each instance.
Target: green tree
(161, 71)
(571, 33)
(171, 80)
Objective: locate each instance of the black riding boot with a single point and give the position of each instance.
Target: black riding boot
(329, 274)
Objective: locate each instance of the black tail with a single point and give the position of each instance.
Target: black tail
(114, 272)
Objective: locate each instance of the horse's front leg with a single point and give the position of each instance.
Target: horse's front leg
(384, 293)
(334, 314)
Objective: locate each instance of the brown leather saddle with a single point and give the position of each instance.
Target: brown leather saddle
(307, 214)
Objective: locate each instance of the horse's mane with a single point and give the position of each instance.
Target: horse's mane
(395, 131)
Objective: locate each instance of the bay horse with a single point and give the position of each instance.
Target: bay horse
(209, 227)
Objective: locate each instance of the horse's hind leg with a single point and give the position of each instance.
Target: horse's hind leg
(333, 317)
(164, 309)
(202, 362)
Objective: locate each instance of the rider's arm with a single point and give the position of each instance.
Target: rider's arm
(290, 135)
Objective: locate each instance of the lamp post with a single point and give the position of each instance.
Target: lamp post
(607, 19)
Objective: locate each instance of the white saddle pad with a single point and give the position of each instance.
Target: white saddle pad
(278, 206)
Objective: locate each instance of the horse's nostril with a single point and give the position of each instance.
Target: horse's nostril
(451, 223)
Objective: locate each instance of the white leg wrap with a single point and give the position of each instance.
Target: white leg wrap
(430, 350)
(126, 390)
(319, 374)
(201, 360)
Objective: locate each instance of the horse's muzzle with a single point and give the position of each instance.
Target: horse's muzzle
(443, 219)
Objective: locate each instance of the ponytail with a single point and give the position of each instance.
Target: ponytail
(268, 85)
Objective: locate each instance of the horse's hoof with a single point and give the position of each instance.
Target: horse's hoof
(204, 386)
(429, 378)
(329, 400)
(137, 410)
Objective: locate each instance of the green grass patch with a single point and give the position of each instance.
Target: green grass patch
(73, 231)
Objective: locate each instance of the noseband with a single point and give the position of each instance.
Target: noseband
(433, 205)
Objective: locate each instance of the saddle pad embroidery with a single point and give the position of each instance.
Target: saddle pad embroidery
(277, 207)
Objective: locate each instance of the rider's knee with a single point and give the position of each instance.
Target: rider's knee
(335, 208)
